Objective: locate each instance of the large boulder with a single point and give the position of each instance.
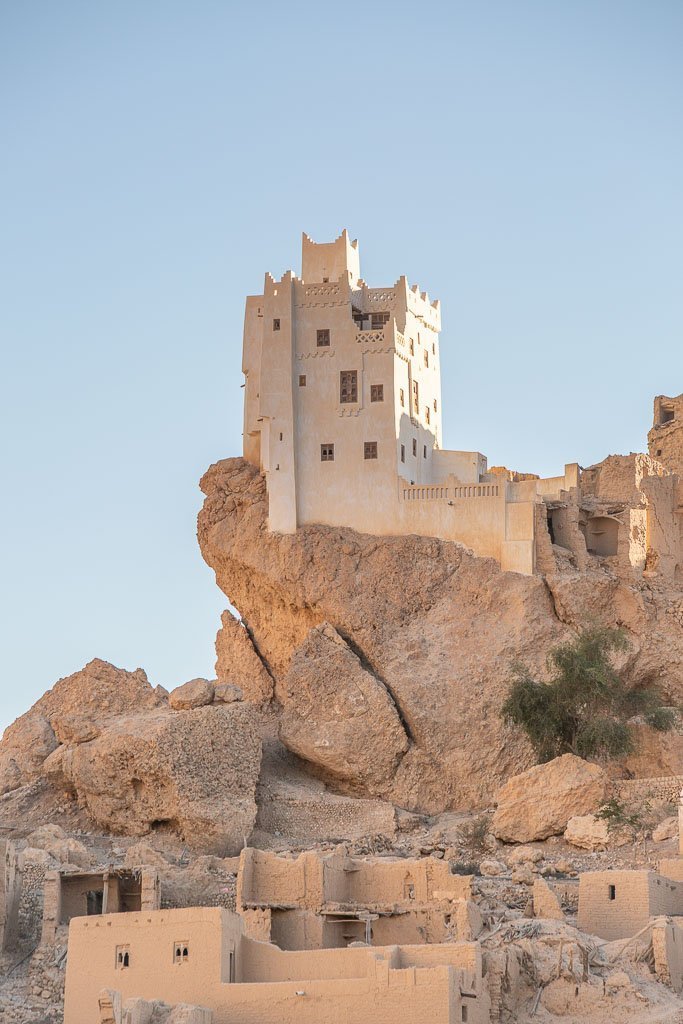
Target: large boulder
(587, 832)
(196, 693)
(539, 802)
(238, 664)
(192, 772)
(338, 715)
(71, 712)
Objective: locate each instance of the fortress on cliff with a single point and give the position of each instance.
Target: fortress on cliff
(342, 413)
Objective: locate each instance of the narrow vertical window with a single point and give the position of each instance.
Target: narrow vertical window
(427, 413)
(276, 325)
(412, 347)
(435, 405)
(402, 396)
(302, 380)
(370, 450)
(322, 338)
(415, 446)
(348, 386)
(403, 453)
(424, 451)
(416, 397)
(426, 357)
(612, 892)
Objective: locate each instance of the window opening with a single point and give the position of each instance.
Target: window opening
(181, 952)
(276, 325)
(93, 902)
(403, 453)
(302, 380)
(416, 397)
(370, 449)
(122, 957)
(322, 337)
(377, 392)
(348, 386)
(378, 320)
(414, 446)
(612, 892)
(402, 396)
(327, 452)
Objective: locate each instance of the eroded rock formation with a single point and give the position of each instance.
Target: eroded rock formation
(432, 627)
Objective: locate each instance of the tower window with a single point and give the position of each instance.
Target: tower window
(427, 413)
(302, 380)
(412, 347)
(463, 1013)
(322, 338)
(181, 952)
(426, 358)
(276, 325)
(402, 396)
(416, 397)
(327, 452)
(435, 406)
(403, 453)
(415, 447)
(377, 392)
(348, 386)
(378, 320)
(424, 451)
(122, 957)
(433, 349)
(612, 892)
(370, 450)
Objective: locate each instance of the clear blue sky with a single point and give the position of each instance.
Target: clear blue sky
(522, 161)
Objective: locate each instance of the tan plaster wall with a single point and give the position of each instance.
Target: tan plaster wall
(316, 987)
(639, 895)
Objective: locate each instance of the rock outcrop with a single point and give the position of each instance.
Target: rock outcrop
(432, 625)
(539, 802)
(338, 716)
(587, 832)
(192, 772)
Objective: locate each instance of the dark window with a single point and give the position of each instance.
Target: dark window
(94, 900)
(276, 325)
(415, 446)
(302, 380)
(416, 398)
(378, 320)
(181, 953)
(322, 338)
(463, 1014)
(281, 436)
(612, 892)
(403, 453)
(403, 398)
(370, 449)
(348, 386)
(325, 280)
(424, 451)
(434, 405)
(122, 957)
(377, 392)
(327, 453)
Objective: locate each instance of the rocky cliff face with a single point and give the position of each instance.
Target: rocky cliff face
(388, 658)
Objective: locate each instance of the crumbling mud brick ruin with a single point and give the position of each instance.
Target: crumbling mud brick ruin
(310, 837)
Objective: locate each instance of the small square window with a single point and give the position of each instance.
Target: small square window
(377, 392)
(122, 957)
(402, 396)
(327, 452)
(403, 453)
(415, 447)
(326, 280)
(348, 386)
(370, 450)
(302, 380)
(276, 325)
(322, 338)
(181, 952)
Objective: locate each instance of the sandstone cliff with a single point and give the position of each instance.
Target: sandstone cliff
(388, 658)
